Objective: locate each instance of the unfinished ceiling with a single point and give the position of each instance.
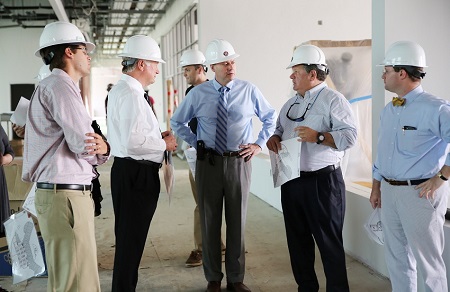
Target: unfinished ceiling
(107, 23)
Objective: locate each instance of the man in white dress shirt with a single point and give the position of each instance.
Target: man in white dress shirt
(138, 147)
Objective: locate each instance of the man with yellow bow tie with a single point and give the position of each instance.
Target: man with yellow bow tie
(411, 171)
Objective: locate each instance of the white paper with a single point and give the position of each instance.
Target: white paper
(24, 248)
(169, 173)
(286, 164)
(19, 117)
(191, 157)
(28, 205)
(374, 227)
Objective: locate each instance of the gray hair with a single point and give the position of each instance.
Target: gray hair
(129, 64)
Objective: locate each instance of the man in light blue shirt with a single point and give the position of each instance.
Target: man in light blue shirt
(314, 203)
(223, 168)
(411, 171)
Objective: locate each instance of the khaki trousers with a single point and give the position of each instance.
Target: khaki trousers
(66, 221)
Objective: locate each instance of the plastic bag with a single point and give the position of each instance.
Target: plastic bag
(374, 227)
(24, 248)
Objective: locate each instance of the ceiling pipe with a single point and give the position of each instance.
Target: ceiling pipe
(60, 12)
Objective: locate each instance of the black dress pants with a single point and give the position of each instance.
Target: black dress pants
(135, 191)
(313, 210)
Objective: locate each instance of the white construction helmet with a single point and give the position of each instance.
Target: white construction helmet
(405, 53)
(308, 55)
(219, 51)
(192, 57)
(62, 32)
(142, 47)
(43, 72)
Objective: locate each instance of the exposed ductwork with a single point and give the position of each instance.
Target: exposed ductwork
(107, 23)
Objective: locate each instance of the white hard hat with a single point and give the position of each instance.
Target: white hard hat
(308, 55)
(62, 32)
(219, 51)
(43, 72)
(192, 57)
(142, 47)
(405, 53)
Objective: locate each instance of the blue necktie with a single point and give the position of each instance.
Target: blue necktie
(222, 117)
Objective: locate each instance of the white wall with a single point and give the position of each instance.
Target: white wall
(19, 65)
(265, 33)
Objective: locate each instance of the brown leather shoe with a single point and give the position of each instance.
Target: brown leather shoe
(213, 286)
(238, 287)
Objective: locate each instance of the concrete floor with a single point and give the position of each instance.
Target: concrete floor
(170, 242)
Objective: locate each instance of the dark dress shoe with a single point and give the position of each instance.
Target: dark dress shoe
(213, 286)
(238, 287)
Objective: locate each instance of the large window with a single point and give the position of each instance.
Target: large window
(184, 35)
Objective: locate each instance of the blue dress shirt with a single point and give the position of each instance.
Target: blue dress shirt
(245, 101)
(413, 138)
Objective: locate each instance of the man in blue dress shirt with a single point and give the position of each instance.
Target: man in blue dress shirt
(411, 171)
(223, 168)
(314, 203)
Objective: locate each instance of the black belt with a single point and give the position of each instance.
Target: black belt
(48, 186)
(154, 165)
(412, 182)
(226, 153)
(324, 170)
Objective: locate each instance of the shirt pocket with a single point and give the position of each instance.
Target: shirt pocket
(413, 142)
(316, 122)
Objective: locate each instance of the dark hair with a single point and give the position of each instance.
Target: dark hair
(201, 66)
(321, 75)
(414, 73)
(53, 55)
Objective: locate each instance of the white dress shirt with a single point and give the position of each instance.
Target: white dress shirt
(133, 130)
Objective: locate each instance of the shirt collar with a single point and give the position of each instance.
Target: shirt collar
(133, 82)
(217, 85)
(62, 73)
(314, 91)
(413, 94)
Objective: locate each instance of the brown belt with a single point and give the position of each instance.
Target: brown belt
(412, 182)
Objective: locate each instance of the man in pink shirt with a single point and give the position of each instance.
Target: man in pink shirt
(60, 149)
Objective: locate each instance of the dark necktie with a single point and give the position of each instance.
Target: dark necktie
(398, 101)
(147, 99)
(222, 117)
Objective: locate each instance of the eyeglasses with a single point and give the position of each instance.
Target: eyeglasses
(302, 118)
(83, 49)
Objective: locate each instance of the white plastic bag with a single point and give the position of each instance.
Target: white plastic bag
(24, 248)
(374, 227)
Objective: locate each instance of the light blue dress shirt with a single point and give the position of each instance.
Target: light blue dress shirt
(245, 101)
(329, 111)
(413, 139)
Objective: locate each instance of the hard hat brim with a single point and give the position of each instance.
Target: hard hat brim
(141, 57)
(295, 64)
(89, 46)
(227, 58)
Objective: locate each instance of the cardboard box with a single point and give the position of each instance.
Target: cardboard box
(17, 189)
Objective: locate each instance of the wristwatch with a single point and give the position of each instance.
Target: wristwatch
(441, 176)
(320, 138)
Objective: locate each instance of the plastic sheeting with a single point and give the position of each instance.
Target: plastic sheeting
(351, 74)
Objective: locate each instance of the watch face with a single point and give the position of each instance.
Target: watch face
(321, 137)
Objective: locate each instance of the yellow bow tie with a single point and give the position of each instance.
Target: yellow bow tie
(398, 101)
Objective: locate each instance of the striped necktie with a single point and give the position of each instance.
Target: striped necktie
(222, 117)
